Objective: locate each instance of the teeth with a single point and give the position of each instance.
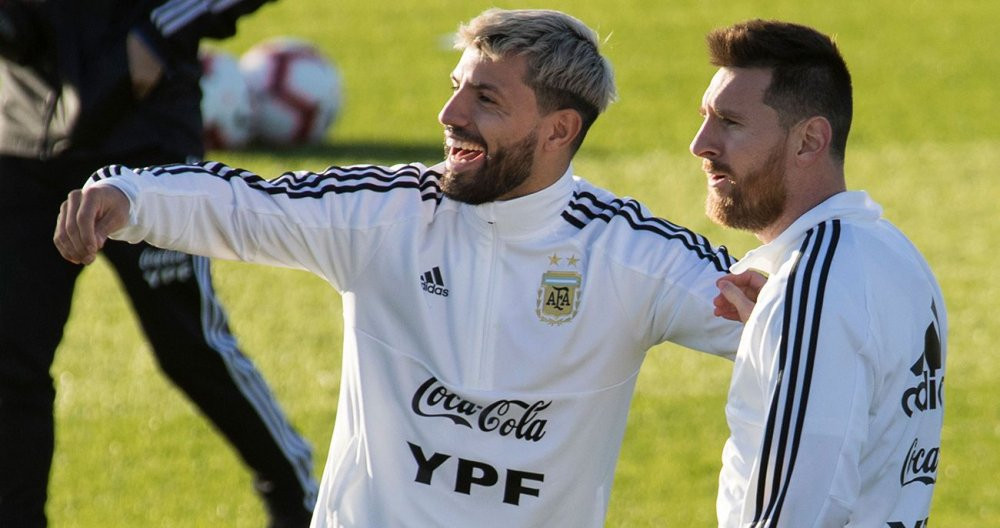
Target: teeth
(464, 145)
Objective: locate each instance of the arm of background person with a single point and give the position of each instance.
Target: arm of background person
(154, 47)
(175, 29)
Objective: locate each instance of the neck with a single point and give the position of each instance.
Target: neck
(542, 175)
(801, 199)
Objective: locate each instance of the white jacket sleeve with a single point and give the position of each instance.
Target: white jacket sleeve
(664, 278)
(820, 381)
(684, 312)
(300, 220)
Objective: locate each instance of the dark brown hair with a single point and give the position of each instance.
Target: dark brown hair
(808, 75)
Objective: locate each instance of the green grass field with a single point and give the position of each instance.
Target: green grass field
(132, 452)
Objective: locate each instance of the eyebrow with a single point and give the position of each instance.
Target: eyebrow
(478, 85)
(482, 86)
(723, 112)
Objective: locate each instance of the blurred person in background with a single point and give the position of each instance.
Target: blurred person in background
(82, 85)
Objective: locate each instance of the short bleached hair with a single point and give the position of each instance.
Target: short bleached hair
(565, 67)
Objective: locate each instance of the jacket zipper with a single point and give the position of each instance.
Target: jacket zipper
(486, 355)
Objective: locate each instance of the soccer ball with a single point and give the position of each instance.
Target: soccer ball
(225, 101)
(295, 91)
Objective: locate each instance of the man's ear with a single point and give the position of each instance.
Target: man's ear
(561, 129)
(814, 136)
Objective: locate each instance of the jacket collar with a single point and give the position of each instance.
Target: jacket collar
(848, 205)
(525, 215)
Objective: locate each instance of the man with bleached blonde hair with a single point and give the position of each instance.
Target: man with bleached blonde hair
(497, 308)
(564, 66)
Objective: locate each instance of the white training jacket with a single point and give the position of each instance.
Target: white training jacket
(835, 407)
(490, 352)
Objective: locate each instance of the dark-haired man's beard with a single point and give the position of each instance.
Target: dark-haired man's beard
(502, 171)
(754, 200)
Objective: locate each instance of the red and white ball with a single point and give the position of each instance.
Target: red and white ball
(295, 91)
(226, 110)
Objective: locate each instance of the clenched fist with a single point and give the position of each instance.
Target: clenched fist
(85, 220)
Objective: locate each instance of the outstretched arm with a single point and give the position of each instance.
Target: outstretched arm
(331, 223)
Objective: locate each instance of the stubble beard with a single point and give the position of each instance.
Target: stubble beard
(503, 170)
(755, 200)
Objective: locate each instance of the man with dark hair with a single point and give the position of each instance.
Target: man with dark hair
(84, 84)
(496, 307)
(835, 406)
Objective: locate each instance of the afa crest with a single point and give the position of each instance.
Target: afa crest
(559, 294)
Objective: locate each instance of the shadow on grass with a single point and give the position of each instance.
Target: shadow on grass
(346, 152)
(364, 150)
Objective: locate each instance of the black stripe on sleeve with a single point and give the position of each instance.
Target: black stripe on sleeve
(335, 180)
(792, 388)
(765, 455)
(824, 275)
(109, 171)
(586, 207)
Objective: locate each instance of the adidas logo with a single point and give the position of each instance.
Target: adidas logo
(432, 282)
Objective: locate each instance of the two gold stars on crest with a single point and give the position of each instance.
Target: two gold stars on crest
(555, 259)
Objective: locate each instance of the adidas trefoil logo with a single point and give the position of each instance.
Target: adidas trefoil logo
(432, 282)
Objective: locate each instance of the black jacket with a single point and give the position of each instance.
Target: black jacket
(65, 88)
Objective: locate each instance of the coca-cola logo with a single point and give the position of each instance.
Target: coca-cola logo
(516, 418)
(920, 465)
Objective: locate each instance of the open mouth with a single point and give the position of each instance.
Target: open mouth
(462, 154)
(715, 178)
(715, 172)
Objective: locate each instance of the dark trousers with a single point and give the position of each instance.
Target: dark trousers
(173, 298)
